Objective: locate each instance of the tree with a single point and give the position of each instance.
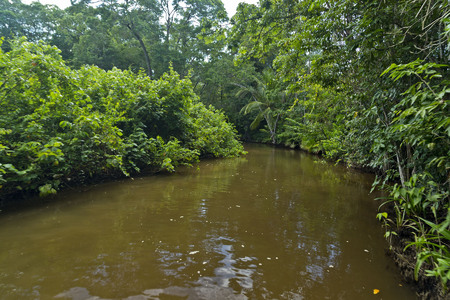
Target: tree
(267, 98)
(331, 54)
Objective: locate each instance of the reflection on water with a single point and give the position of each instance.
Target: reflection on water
(277, 224)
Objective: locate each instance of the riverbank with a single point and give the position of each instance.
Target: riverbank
(64, 126)
(427, 288)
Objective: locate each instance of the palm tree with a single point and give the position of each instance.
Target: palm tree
(266, 96)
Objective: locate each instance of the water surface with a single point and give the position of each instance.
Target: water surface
(276, 224)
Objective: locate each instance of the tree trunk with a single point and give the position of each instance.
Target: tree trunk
(146, 56)
(400, 168)
(130, 25)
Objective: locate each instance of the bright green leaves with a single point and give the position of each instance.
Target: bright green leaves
(211, 134)
(420, 127)
(422, 116)
(172, 154)
(46, 189)
(59, 124)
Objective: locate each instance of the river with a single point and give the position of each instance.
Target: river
(275, 224)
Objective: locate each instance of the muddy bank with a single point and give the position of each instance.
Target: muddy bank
(427, 288)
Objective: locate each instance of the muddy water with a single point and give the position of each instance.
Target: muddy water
(276, 224)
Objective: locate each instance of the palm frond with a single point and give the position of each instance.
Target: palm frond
(257, 121)
(251, 106)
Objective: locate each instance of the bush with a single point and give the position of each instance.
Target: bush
(59, 125)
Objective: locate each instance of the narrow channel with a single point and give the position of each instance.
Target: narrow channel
(275, 224)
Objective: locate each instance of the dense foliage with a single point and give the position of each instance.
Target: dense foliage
(139, 35)
(59, 125)
(369, 85)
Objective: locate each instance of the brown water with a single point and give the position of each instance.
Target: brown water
(276, 224)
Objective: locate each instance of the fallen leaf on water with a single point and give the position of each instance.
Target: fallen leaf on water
(375, 291)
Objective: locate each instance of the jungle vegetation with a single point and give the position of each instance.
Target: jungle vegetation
(365, 83)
